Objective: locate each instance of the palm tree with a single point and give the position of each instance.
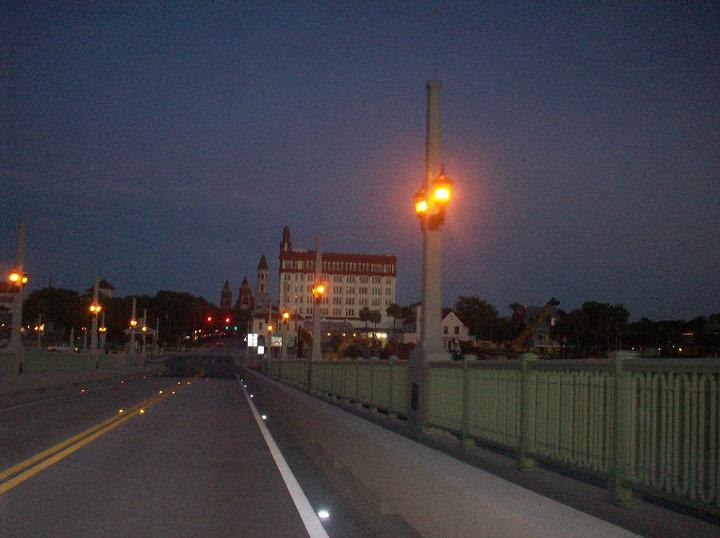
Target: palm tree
(364, 315)
(394, 310)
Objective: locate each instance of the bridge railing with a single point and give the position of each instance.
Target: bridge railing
(648, 425)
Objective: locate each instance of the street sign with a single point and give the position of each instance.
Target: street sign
(252, 340)
(261, 350)
(276, 341)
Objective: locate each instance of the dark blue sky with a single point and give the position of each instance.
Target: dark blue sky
(166, 147)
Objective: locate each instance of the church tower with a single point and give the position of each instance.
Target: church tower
(262, 292)
(245, 298)
(226, 297)
(286, 244)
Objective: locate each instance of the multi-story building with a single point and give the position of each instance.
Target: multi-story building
(353, 281)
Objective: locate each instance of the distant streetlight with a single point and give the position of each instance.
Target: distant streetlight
(18, 278)
(95, 309)
(283, 336)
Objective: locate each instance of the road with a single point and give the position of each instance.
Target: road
(194, 462)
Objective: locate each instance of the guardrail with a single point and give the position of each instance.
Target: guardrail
(39, 362)
(646, 425)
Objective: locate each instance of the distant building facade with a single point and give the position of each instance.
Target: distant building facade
(226, 297)
(354, 281)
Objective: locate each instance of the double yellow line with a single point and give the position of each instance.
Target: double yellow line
(42, 460)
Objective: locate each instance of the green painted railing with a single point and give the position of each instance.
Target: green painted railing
(648, 425)
(38, 362)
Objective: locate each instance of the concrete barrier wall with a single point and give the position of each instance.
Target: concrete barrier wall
(437, 495)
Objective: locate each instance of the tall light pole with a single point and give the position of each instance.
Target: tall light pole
(95, 309)
(133, 324)
(283, 327)
(430, 204)
(103, 333)
(18, 279)
(318, 292)
(144, 331)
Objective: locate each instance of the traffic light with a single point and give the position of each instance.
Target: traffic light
(209, 319)
(235, 328)
(227, 319)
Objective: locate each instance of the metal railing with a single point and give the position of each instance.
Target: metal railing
(648, 425)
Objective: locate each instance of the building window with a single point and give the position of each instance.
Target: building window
(350, 312)
(376, 291)
(457, 329)
(376, 302)
(362, 301)
(376, 280)
(337, 289)
(445, 330)
(350, 290)
(363, 291)
(337, 278)
(363, 279)
(388, 280)
(350, 278)
(337, 300)
(349, 300)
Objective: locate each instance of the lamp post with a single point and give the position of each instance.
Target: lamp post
(144, 332)
(95, 309)
(283, 336)
(133, 324)
(430, 204)
(318, 290)
(18, 278)
(103, 333)
(40, 329)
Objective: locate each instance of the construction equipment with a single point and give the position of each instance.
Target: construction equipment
(517, 344)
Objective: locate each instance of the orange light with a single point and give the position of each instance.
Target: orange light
(144, 328)
(319, 289)
(421, 206)
(270, 328)
(442, 194)
(286, 316)
(133, 322)
(14, 277)
(95, 308)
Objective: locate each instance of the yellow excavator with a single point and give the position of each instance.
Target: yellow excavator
(517, 344)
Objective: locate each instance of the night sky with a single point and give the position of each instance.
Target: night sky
(166, 147)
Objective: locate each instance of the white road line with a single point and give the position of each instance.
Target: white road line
(310, 519)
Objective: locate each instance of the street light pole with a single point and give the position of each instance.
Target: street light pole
(318, 297)
(133, 324)
(94, 333)
(16, 327)
(430, 205)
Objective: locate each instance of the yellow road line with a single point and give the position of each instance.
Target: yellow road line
(81, 439)
(50, 451)
(19, 479)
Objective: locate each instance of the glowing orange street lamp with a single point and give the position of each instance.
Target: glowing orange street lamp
(133, 323)
(270, 328)
(95, 309)
(318, 291)
(431, 208)
(286, 315)
(17, 278)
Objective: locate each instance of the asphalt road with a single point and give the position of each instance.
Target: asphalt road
(194, 463)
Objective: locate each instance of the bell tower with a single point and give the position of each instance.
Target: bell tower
(226, 297)
(286, 243)
(262, 292)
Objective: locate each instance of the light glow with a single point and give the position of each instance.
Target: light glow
(323, 514)
(421, 206)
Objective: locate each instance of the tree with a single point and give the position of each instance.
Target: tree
(479, 315)
(375, 317)
(408, 316)
(394, 311)
(364, 315)
(517, 321)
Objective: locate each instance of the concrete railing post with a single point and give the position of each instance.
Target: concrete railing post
(466, 438)
(391, 380)
(622, 411)
(527, 409)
